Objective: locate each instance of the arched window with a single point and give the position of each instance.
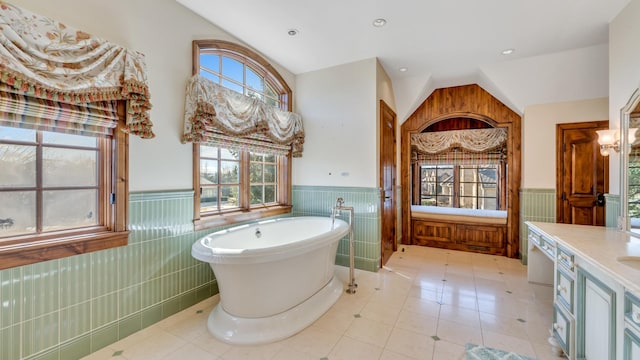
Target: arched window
(237, 185)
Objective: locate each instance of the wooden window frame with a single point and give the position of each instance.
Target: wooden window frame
(245, 211)
(113, 184)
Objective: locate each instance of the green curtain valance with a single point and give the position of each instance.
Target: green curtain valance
(217, 116)
(45, 59)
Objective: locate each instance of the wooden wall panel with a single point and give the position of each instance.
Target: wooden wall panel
(468, 101)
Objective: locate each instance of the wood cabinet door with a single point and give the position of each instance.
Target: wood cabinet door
(596, 319)
(388, 180)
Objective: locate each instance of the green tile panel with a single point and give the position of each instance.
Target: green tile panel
(319, 200)
(535, 205)
(612, 210)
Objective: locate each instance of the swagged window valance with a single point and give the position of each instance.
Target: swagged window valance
(218, 116)
(460, 147)
(54, 77)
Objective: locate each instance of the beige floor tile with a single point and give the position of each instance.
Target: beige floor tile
(157, 346)
(460, 315)
(504, 325)
(508, 343)
(105, 353)
(210, 344)
(410, 344)
(335, 320)
(258, 352)
(423, 307)
(445, 350)
(349, 349)
(457, 333)
(382, 312)
(292, 354)
(369, 331)
(313, 341)
(543, 352)
(422, 324)
(390, 355)
(188, 351)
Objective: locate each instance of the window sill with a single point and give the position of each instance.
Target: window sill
(18, 253)
(209, 221)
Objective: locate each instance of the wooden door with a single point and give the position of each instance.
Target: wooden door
(582, 174)
(388, 180)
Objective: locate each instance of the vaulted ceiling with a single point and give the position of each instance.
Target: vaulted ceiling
(560, 46)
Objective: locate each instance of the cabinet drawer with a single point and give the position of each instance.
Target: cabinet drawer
(564, 289)
(631, 345)
(534, 237)
(548, 246)
(566, 259)
(632, 309)
(562, 328)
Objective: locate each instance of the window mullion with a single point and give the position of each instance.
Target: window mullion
(39, 183)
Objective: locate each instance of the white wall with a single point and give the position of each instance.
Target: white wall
(384, 89)
(624, 71)
(163, 30)
(338, 108)
(539, 136)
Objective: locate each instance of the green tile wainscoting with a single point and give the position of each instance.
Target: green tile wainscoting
(318, 201)
(535, 205)
(65, 309)
(612, 210)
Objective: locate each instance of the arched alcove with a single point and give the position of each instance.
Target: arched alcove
(472, 102)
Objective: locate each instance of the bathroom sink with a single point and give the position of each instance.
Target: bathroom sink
(630, 261)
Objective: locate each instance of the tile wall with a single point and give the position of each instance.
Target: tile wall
(318, 201)
(67, 308)
(535, 205)
(64, 309)
(612, 210)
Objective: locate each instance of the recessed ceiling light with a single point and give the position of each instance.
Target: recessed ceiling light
(292, 32)
(508, 51)
(403, 69)
(379, 22)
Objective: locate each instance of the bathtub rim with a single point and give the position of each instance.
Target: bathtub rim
(217, 255)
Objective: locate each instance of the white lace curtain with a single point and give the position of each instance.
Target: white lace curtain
(41, 58)
(218, 116)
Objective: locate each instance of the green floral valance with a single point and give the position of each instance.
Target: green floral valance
(218, 116)
(43, 58)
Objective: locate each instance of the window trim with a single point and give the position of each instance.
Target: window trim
(28, 249)
(245, 211)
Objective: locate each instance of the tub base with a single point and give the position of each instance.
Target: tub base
(251, 331)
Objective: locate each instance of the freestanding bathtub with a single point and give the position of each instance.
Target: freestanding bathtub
(276, 277)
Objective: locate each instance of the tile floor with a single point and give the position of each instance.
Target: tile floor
(425, 304)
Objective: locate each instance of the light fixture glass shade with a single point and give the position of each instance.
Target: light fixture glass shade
(608, 137)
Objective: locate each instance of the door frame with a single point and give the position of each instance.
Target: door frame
(560, 128)
(384, 107)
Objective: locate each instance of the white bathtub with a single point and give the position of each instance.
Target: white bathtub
(274, 284)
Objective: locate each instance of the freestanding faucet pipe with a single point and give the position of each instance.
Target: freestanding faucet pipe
(336, 211)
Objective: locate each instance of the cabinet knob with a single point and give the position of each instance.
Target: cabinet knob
(562, 289)
(557, 327)
(635, 316)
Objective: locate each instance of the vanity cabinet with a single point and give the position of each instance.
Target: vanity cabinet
(596, 299)
(632, 327)
(596, 318)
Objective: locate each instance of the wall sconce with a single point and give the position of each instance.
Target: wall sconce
(610, 139)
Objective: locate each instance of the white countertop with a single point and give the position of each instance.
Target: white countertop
(600, 247)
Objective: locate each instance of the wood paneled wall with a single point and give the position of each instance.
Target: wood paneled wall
(472, 102)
